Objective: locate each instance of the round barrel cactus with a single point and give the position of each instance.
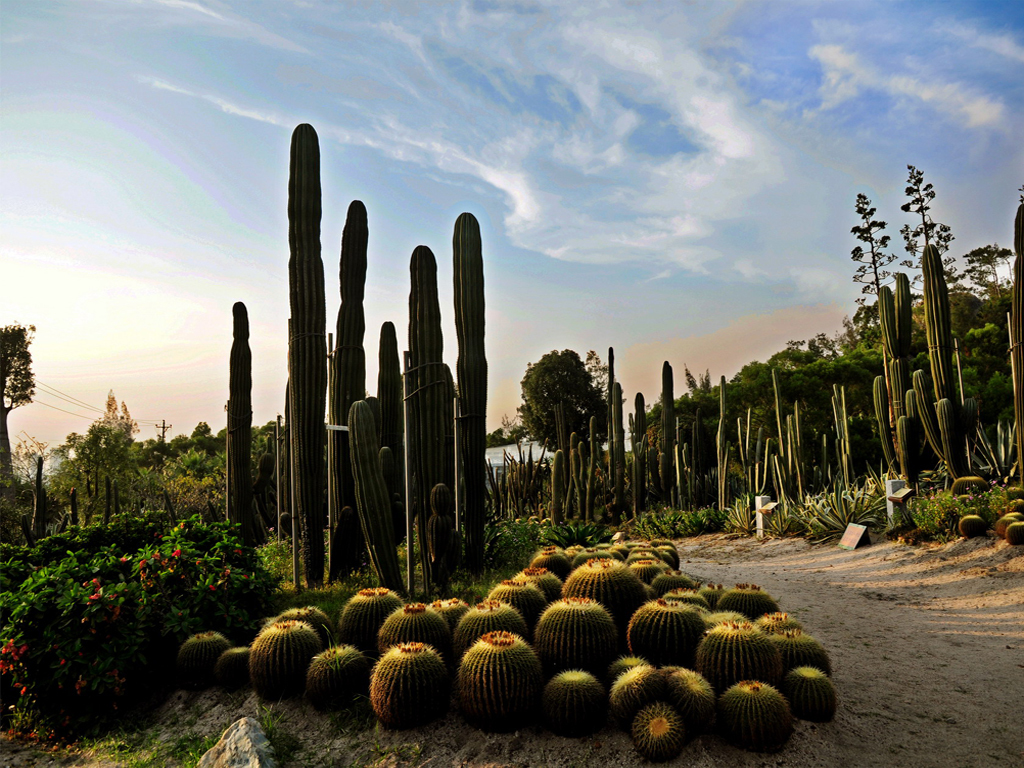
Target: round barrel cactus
(592, 553)
(971, 526)
(693, 697)
(416, 623)
(970, 485)
(660, 543)
(730, 653)
(800, 650)
(409, 686)
(452, 610)
(665, 632)
(669, 554)
(522, 595)
(1015, 493)
(684, 596)
(622, 664)
(232, 668)
(658, 731)
(484, 617)
(642, 553)
(1005, 522)
(613, 585)
(671, 579)
(811, 694)
(197, 658)
(363, 615)
(574, 704)
(721, 617)
(554, 560)
(711, 593)
(279, 657)
(575, 633)
(1015, 534)
(335, 676)
(546, 581)
(648, 569)
(774, 623)
(748, 599)
(755, 716)
(313, 616)
(499, 682)
(633, 689)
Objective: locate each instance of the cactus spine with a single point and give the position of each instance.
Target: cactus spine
(239, 438)
(372, 501)
(307, 348)
(347, 375)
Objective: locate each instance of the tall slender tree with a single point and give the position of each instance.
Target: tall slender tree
(17, 386)
(871, 258)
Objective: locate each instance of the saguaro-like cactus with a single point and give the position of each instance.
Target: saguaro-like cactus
(471, 368)
(307, 348)
(239, 439)
(348, 373)
(592, 471)
(389, 396)
(668, 433)
(639, 440)
(557, 488)
(1017, 336)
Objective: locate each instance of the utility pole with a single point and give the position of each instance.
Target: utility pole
(163, 427)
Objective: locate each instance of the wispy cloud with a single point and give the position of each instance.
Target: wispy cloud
(1004, 45)
(273, 118)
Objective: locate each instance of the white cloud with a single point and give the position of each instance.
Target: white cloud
(1004, 45)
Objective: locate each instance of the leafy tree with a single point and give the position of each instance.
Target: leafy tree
(510, 431)
(871, 269)
(562, 378)
(17, 385)
(983, 268)
(928, 232)
(119, 419)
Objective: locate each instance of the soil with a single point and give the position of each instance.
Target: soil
(927, 649)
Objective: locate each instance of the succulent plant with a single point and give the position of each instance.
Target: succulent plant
(730, 653)
(633, 689)
(1015, 494)
(755, 715)
(970, 484)
(971, 526)
(555, 561)
(714, 618)
(1015, 534)
(409, 686)
(279, 657)
(546, 581)
(452, 609)
(313, 616)
(648, 569)
(363, 615)
(669, 554)
(499, 682)
(612, 584)
(232, 668)
(336, 675)
(197, 657)
(574, 704)
(573, 550)
(811, 693)
(642, 553)
(800, 650)
(671, 579)
(592, 553)
(665, 632)
(575, 633)
(484, 617)
(522, 595)
(686, 596)
(416, 623)
(693, 697)
(774, 623)
(1013, 505)
(658, 731)
(748, 599)
(711, 593)
(624, 664)
(661, 543)
(1005, 522)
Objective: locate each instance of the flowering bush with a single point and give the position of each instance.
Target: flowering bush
(82, 632)
(936, 516)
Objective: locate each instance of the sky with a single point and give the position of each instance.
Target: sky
(675, 180)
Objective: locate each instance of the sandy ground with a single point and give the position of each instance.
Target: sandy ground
(927, 646)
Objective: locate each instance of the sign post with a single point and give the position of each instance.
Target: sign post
(892, 487)
(763, 505)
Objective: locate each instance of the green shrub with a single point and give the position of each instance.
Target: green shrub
(567, 534)
(84, 631)
(679, 524)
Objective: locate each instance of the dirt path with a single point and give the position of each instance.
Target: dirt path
(927, 646)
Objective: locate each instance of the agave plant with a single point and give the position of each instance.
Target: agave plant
(741, 518)
(827, 514)
(997, 459)
(584, 534)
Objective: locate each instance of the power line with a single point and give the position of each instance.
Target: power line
(79, 415)
(54, 392)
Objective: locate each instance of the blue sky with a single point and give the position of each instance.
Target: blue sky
(674, 180)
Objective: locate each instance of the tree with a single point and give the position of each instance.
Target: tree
(17, 385)
(119, 419)
(562, 377)
(983, 268)
(873, 261)
(928, 232)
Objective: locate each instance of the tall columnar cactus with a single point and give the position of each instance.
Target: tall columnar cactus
(617, 454)
(1017, 336)
(722, 446)
(307, 348)
(440, 530)
(389, 396)
(428, 391)
(668, 433)
(239, 439)
(895, 316)
(639, 440)
(472, 375)
(592, 472)
(348, 372)
(372, 501)
(557, 488)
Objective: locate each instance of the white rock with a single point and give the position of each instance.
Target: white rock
(243, 745)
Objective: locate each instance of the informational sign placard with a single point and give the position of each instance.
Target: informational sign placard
(901, 496)
(855, 536)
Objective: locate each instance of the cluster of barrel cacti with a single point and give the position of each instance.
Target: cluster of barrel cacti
(571, 647)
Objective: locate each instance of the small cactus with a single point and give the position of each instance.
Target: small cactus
(546, 581)
(1015, 494)
(335, 676)
(488, 616)
(669, 580)
(715, 618)
(313, 616)
(499, 682)
(748, 599)
(363, 615)
(592, 553)
(416, 623)
(970, 484)
(612, 584)
(811, 694)
(279, 657)
(648, 569)
(522, 595)
(800, 650)
(1005, 522)
(1015, 534)
(452, 610)
(755, 716)
(685, 596)
(232, 668)
(624, 664)
(633, 689)
(409, 686)
(972, 526)
(711, 593)
(575, 633)
(693, 697)
(774, 623)
(197, 658)
(554, 560)
(730, 653)
(658, 731)
(642, 553)
(669, 554)
(665, 632)
(574, 704)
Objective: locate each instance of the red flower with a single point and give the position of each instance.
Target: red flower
(238, 551)
(176, 553)
(125, 559)
(213, 588)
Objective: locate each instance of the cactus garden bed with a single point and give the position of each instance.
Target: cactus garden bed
(924, 646)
